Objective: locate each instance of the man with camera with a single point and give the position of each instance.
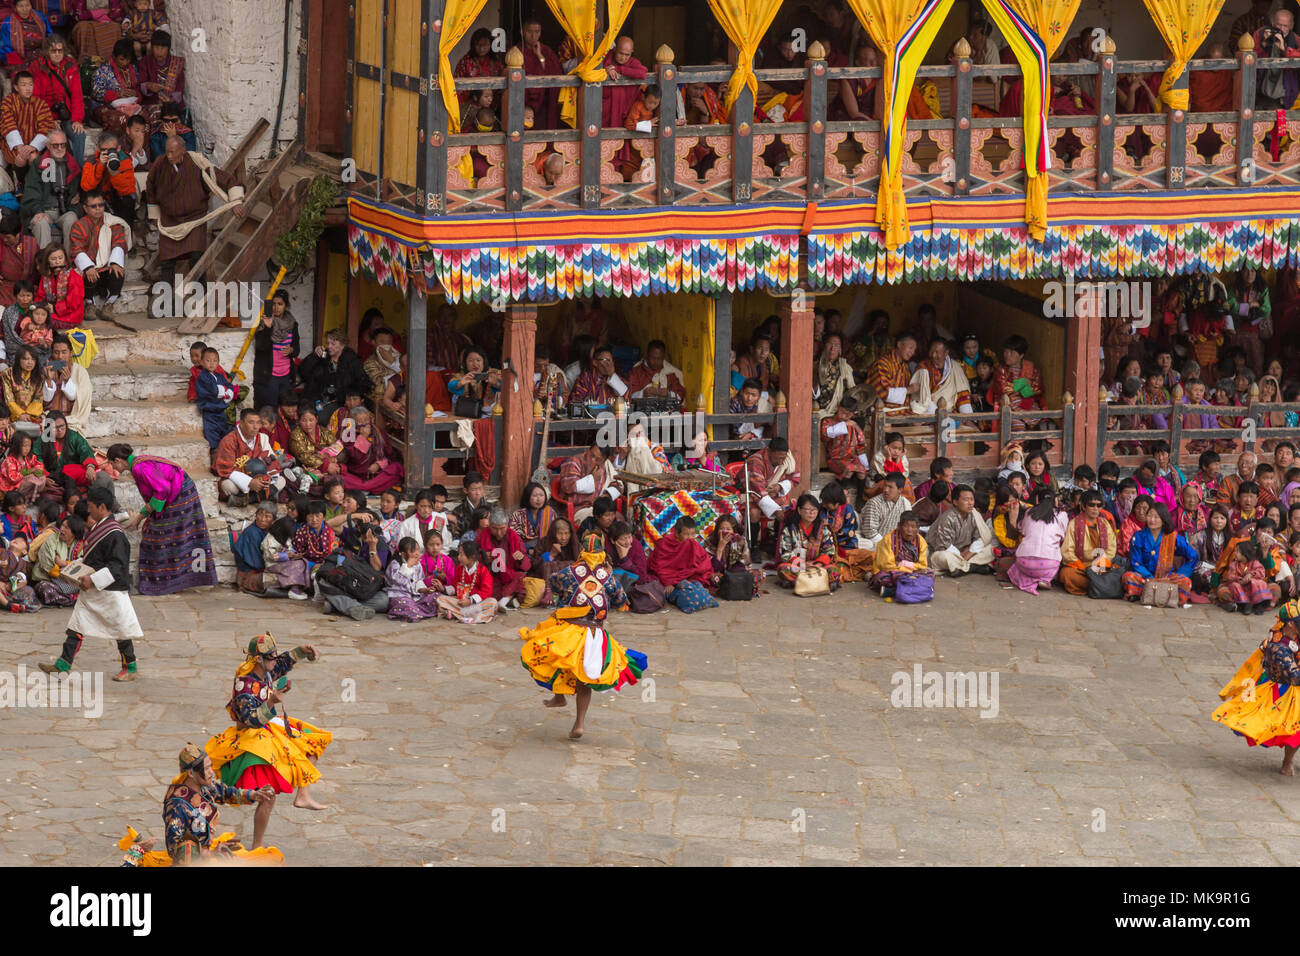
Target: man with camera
(51, 196)
(112, 173)
(1278, 87)
(67, 390)
(98, 244)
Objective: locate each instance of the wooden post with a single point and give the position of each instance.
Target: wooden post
(1176, 431)
(742, 147)
(722, 354)
(380, 125)
(419, 439)
(1067, 433)
(431, 160)
(1082, 373)
(666, 141)
(1105, 121)
(961, 98)
(797, 377)
(589, 99)
(1176, 141)
(514, 117)
(1246, 105)
(352, 318)
(516, 424)
(816, 121)
(1103, 416)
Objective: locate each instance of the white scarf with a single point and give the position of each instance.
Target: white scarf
(104, 241)
(228, 200)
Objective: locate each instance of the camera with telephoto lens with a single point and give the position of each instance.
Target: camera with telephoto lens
(114, 161)
(61, 112)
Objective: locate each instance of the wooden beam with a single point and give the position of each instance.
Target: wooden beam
(419, 439)
(962, 99)
(1106, 118)
(589, 99)
(516, 424)
(816, 86)
(1246, 117)
(721, 353)
(431, 155)
(797, 379)
(742, 147)
(666, 141)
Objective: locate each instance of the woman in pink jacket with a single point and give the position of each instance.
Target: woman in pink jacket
(1038, 556)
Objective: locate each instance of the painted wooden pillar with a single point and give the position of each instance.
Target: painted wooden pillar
(797, 378)
(517, 400)
(1082, 377)
(419, 440)
(722, 355)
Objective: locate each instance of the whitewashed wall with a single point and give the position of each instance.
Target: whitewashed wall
(237, 79)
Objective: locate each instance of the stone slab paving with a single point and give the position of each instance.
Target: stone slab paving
(768, 737)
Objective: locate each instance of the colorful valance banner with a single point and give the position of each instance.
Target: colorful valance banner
(744, 22)
(1184, 24)
(904, 32)
(708, 250)
(457, 18)
(1034, 30)
(579, 19)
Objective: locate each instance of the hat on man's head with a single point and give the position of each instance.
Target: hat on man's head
(192, 757)
(261, 646)
(593, 542)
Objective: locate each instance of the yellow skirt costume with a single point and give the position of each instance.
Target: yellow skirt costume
(289, 757)
(262, 856)
(1256, 704)
(561, 654)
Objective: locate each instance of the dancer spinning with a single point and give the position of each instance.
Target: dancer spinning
(571, 652)
(1262, 701)
(264, 748)
(190, 815)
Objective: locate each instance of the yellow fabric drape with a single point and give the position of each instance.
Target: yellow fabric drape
(578, 17)
(1184, 24)
(1050, 20)
(744, 22)
(903, 43)
(457, 18)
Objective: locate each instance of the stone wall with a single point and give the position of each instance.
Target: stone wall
(237, 78)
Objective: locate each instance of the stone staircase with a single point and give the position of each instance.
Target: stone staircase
(140, 381)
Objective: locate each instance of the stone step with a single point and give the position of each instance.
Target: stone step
(119, 345)
(110, 418)
(188, 451)
(140, 381)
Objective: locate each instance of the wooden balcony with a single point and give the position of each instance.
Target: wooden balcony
(816, 160)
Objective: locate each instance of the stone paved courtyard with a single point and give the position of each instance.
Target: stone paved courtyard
(762, 716)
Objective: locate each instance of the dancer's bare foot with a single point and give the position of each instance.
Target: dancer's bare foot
(304, 801)
(1287, 770)
(556, 701)
(146, 843)
(1288, 758)
(576, 732)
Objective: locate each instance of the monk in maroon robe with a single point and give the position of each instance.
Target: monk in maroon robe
(620, 64)
(541, 60)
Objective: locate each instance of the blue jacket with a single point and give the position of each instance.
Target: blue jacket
(1144, 553)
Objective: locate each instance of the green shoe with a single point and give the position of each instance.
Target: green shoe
(56, 666)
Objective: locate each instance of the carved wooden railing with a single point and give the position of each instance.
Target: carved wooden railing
(820, 159)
